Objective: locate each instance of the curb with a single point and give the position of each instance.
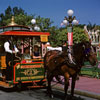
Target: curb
(79, 92)
(87, 94)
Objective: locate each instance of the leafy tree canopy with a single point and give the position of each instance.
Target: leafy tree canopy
(58, 36)
(79, 35)
(9, 12)
(21, 18)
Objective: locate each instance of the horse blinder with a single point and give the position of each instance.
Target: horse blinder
(87, 51)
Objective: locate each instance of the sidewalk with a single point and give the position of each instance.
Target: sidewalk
(88, 84)
(85, 86)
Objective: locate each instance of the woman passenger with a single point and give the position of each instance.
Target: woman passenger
(36, 53)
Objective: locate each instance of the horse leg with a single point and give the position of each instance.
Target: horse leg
(73, 85)
(49, 79)
(66, 84)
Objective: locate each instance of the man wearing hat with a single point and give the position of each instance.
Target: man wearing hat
(10, 50)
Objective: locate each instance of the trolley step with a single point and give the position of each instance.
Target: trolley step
(5, 84)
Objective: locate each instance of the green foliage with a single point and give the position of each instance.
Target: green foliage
(9, 12)
(18, 11)
(43, 23)
(53, 35)
(90, 26)
(23, 19)
(59, 35)
(79, 35)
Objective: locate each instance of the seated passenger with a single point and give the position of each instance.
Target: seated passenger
(36, 53)
(26, 55)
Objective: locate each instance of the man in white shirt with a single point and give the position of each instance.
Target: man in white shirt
(7, 48)
(10, 50)
(53, 48)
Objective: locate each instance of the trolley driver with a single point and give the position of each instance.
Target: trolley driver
(10, 51)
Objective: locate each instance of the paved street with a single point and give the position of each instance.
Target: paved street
(84, 84)
(35, 94)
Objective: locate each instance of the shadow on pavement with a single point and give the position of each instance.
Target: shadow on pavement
(58, 94)
(40, 93)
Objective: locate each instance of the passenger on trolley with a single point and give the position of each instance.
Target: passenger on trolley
(36, 53)
(26, 55)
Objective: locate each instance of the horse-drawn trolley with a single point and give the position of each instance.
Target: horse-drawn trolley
(24, 65)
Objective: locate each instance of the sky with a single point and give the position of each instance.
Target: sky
(85, 10)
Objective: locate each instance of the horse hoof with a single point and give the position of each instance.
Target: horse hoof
(66, 98)
(51, 96)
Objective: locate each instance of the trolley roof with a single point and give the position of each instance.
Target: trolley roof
(23, 33)
(14, 29)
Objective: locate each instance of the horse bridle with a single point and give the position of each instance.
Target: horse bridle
(88, 50)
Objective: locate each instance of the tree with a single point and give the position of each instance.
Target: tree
(9, 12)
(91, 27)
(60, 35)
(53, 38)
(43, 23)
(79, 35)
(18, 11)
(21, 18)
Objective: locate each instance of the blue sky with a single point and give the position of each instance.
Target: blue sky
(84, 10)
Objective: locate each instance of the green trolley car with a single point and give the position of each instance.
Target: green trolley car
(26, 71)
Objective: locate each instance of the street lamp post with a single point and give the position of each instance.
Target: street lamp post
(69, 22)
(35, 27)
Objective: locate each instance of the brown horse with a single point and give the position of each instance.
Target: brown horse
(56, 63)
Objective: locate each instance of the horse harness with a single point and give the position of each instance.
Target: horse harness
(65, 62)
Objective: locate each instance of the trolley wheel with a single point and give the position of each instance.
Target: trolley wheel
(19, 86)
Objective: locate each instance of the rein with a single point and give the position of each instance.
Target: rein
(57, 82)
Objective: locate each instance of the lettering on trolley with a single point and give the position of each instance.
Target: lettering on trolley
(29, 66)
(30, 72)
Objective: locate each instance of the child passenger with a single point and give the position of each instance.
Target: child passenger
(26, 55)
